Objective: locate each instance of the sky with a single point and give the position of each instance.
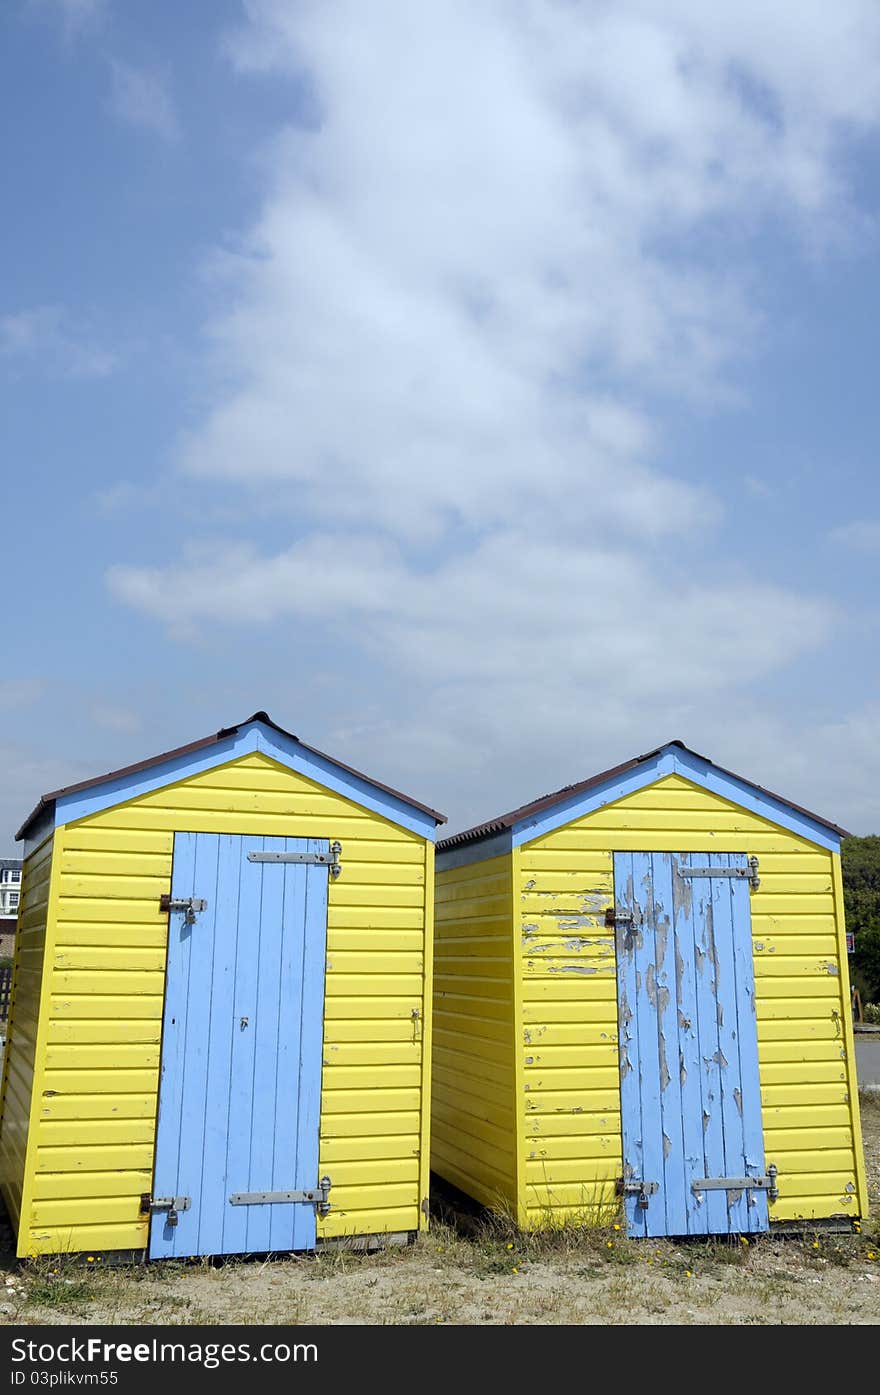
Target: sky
(489, 392)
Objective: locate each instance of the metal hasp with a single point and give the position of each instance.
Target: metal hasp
(740, 1184)
(190, 905)
(749, 873)
(640, 1189)
(171, 1204)
(319, 1197)
(328, 859)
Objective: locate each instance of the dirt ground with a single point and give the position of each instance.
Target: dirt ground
(490, 1275)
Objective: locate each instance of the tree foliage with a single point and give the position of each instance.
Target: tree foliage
(861, 893)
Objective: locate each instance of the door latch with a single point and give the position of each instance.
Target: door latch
(190, 905)
(172, 1204)
(641, 1190)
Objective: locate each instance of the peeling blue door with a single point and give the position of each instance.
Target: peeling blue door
(689, 1085)
(240, 1090)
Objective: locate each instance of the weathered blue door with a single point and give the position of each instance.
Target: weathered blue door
(240, 1091)
(689, 1086)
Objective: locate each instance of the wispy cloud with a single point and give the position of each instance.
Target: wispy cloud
(20, 692)
(142, 96)
(116, 719)
(861, 536)
(73, 14)
(47, 339)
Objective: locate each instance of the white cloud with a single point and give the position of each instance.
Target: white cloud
(863, 535)
(74, 14)
(116, 719)
(20, 692)
(47, 338)
(142, 97)
(505, 233)
(27, 773)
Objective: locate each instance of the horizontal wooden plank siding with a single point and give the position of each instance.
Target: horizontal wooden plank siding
(23, 1029)
(570, 1110)
(474, 1119)
(106, 991)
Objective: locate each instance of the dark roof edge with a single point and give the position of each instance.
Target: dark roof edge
(548, 801)
(49, 799)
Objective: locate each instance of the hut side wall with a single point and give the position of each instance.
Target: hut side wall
(570, 1109)
(474, 1126)
(21, 1052)
(93, 1153)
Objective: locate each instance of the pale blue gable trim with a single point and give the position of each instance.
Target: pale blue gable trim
(738, 791)
(672, 760)
(244, 740)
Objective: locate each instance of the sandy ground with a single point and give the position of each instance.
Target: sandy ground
(491, 1276)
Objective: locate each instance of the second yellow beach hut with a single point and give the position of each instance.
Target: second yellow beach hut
(642, 998)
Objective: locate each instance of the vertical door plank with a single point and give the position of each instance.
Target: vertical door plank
(169, 1122)
(311, 1046)
(195, 1045)
(747, 1040)
(263, 1029)
(689, 1062)
(628, 1028)
(672, 1198)
(220, 983)
(651, 1132)
(292, 1227)
(728, 1045)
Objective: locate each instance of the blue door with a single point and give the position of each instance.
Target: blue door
(689, 1087)
(240, 1090)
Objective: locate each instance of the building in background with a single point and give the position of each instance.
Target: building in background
(10, 891)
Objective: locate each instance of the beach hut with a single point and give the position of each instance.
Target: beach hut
(642, 1000)
(220, 1030)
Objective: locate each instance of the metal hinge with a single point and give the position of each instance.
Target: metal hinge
(614, 918)
(749, 873)
(319, 1197)
(190, 905)
(171, 1204)
(328, 859)
(740, 1184)
(642, 1190)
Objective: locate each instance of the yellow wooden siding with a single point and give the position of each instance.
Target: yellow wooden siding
(572, 1112)
(474, 1129)
(105, 984)
(22, 1029)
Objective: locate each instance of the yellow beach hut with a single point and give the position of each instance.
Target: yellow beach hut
(642, 999)
(220, 1029)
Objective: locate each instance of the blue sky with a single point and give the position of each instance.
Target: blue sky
(489, 392)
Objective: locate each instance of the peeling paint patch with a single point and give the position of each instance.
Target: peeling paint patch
(831, 968)
(667, 1145)
(571, 969)
(738, 1100)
